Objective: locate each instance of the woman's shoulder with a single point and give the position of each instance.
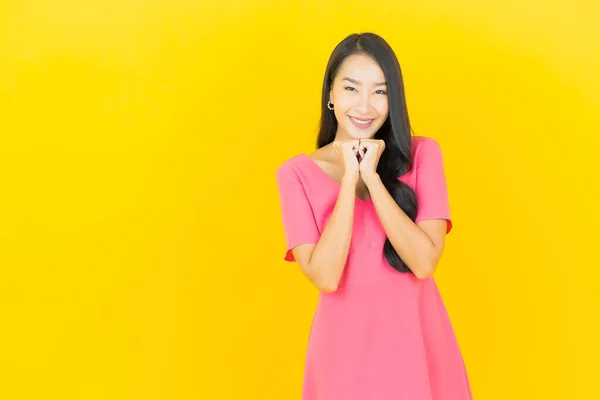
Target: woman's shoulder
(424, 146)
(423, 142)
(290, 165)
(303, 162)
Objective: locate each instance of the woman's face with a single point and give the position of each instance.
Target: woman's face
(359, 98)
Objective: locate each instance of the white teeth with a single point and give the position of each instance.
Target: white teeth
(361, 122)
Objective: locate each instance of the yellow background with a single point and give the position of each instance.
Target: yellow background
(140, 237)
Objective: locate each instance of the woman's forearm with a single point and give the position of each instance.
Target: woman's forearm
(410, 242)
(331, 252)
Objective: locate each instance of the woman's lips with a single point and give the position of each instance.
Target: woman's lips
(361, 123)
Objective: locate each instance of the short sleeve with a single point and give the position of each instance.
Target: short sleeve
(298, 219)
(431, 188)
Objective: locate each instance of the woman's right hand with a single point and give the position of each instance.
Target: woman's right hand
(347, 152)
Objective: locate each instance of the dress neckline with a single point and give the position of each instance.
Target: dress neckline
(312, 162)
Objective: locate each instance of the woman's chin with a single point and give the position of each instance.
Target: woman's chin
(361, 135)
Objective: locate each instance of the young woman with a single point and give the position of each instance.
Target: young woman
(365, 217)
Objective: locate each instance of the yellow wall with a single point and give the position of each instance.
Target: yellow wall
(140, 238)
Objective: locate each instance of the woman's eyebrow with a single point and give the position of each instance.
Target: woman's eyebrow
(358, 83)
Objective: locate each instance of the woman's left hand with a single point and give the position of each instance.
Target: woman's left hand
(370, 150)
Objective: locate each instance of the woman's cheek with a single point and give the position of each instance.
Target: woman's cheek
(382, 106)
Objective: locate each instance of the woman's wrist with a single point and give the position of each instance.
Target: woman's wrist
(370, 178)
(350, 178)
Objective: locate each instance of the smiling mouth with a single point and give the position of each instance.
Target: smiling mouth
(360, 122)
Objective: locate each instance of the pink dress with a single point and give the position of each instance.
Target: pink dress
(382, 335)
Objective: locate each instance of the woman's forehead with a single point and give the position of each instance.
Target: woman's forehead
(361, 68)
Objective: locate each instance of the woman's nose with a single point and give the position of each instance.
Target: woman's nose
(364, 103)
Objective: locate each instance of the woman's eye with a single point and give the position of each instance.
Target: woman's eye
(381, 91)
(349, 88)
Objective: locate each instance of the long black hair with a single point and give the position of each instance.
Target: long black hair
(396, 159)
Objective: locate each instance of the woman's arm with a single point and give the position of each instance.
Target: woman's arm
(323, 262)
(420, 245)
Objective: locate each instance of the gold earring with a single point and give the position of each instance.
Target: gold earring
(329, 105)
